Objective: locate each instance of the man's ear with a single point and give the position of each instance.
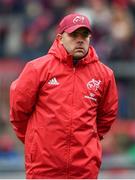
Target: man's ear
(59, 38)
(90, 37)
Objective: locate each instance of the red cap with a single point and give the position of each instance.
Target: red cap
(72, 22)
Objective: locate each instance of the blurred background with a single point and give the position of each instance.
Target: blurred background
(27, 30)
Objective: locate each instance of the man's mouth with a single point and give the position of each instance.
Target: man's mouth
(79, 49)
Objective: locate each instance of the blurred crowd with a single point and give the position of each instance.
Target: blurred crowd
(27, 27)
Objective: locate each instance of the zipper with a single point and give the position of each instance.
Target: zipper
(70, 130)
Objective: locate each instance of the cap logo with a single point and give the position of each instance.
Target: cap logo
(78, 19)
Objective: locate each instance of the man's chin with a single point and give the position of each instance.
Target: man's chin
(78, 56)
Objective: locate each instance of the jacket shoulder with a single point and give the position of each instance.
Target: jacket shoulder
(107, 71)
(41, 62)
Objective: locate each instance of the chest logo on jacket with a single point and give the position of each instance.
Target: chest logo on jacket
(93, 85)
(53, 81)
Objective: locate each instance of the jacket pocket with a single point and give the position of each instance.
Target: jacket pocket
(33, 148)
(30, 149)
(36, 147)
(98, 148)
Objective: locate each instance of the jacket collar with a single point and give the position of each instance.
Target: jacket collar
(58, 50)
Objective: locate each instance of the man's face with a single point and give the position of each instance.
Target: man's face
(77, 42)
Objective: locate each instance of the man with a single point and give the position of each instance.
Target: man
(63, 104)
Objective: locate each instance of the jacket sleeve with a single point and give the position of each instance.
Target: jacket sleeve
(107, 109)
(23, 95)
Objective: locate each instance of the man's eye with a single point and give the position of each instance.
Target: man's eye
(85, 34)
(73, 34)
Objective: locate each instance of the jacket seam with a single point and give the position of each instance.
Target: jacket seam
(70, 130)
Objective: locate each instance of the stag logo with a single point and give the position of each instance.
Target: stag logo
(93, 84)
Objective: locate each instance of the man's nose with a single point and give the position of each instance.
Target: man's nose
(79, 39)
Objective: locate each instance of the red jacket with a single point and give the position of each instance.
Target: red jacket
(61, 113)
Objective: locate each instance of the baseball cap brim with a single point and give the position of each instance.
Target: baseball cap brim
(74, 28)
